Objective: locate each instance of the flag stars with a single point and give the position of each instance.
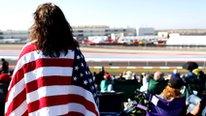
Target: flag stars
(75, 78)
(90, 80)
(89, 72)
(92, 87)
(86, 72)
(81, 75)
(78, 57)
(76, 68)
(85, 82)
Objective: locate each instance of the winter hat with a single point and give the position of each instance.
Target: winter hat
(176, 82)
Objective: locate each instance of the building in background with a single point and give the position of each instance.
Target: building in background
(184, 31)
(79, 32)
(82, 32)
(11, 36)
(98, 34)
(146, 31)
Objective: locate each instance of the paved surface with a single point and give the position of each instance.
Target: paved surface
(126, 56)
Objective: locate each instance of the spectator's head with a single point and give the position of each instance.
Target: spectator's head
(102, 69)
(190, 66)
(51, 31)
(158, 75)
(176, 82)
(2, 59)
(175, 74)
(107, 76)
(172, 90)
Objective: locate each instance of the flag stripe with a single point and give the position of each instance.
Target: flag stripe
(62, 109)
(33, 57)
(48, 81)
(17, 79)
(20, 110)
(73, 113)
(65, 71)
(41, 63)
(25, 113)
(62, 90)
(29, 47)
(15, 91)
(17, 101)
(60, 100)
(47, 71)
(44, 85)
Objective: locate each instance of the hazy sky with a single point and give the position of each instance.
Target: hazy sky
(160, 14)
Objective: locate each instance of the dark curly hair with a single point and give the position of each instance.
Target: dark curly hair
(51, 31)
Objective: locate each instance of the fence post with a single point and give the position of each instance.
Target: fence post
(128, 63)
(147, 63)
(165, 63)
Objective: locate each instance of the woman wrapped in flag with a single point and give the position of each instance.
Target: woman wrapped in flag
(51, 76)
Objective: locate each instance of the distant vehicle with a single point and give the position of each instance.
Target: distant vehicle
(99, 40)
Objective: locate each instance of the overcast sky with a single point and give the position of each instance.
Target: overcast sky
(160, 14)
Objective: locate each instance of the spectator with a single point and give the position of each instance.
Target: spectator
(175, 73)
(170, 102)
(5, 78)
(194, 79)
(99, 77)
(201, 78)
(157, 83)
(128, 75)
(51, 76)
(4, 66)
(106, 84)
(145, 81)
(4, 83)
(121, 77)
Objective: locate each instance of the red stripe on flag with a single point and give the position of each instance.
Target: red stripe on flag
(37, 64)
(28, 48)
(48, 81)
(46, 62)
(60, 100)
(73, 114)
(25, 113)
(18, 76)
(16, 102)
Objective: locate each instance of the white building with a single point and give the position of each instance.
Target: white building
(82, 32)
(176, 39)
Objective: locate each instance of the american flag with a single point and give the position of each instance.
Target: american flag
(48, 86)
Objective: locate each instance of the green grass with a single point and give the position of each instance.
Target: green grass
(137, 70)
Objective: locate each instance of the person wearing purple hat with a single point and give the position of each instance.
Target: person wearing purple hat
(170, 102)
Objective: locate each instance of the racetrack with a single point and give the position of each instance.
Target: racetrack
(118, 56)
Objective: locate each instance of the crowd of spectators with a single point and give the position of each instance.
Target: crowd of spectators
(183, 93)
(172, 94)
